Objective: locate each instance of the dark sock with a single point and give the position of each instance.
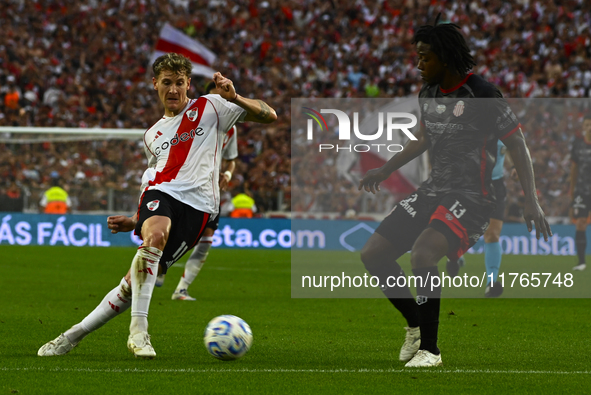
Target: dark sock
(400, 297)
(581, 244)
(428, 302)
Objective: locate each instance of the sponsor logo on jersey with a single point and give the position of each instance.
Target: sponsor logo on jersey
(440, 108)
(459, 108)
(192, 114)
(153, 205)
(186, 136)
(439, 127)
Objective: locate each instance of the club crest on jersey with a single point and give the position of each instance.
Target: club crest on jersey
(192, 114)
(459, 108)
(153, 205)
(440, 108)
(425, 106)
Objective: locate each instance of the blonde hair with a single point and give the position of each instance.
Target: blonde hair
(173, 62)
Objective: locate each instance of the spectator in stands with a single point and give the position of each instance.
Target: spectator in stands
(242, 205)
(55, 200)
(12, 94)
(12, 199)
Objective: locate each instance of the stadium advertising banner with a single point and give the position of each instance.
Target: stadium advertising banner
(92, 231)
(346, 235)
(301, 234)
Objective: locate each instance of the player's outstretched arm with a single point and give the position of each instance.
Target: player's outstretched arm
(413, 148)
(532, 211)
(258, 110)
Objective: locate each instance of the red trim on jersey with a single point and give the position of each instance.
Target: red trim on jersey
(178, 153)
(511, 132)
(229, 135)
(483, 169)
(205, 221)
(448, 219)
(457, 86)
(215, 156)
(146, 144)
(166, 46)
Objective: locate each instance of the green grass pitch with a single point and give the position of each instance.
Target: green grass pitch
(345, 346)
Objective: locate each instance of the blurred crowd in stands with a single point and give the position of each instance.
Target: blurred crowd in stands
(85, 63)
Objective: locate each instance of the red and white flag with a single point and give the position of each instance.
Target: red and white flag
(172, 40)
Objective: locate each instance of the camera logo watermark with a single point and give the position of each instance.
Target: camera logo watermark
(345, 129)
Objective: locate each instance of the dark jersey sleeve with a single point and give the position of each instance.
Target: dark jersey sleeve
(494, 108)
(505, 121)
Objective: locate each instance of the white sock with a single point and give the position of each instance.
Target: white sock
(114, 303)
(195, 262)
(144, 270)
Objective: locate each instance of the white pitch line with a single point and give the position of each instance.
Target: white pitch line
(246, 370)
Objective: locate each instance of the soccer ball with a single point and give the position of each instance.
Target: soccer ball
(227, 337)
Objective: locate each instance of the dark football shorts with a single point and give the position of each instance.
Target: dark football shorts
(581, 205)
(501, 195)
(186, 229)
(214, 223)
(461, 220)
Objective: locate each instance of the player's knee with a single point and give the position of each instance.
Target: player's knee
(581, 224)
(366, 257)
(156, 239)
(423, 257)
(371, 257)
(492, 237)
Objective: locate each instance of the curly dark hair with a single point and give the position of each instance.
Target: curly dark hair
(448, 43)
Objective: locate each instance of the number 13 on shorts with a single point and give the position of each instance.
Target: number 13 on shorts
(457, 209)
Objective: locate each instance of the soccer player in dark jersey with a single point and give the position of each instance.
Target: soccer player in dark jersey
(580, 189)
(450, 211)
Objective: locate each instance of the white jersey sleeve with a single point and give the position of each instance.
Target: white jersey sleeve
(229, 113)
(230, 147)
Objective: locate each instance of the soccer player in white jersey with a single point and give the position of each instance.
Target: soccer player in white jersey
(200, 252)
(180, 193)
